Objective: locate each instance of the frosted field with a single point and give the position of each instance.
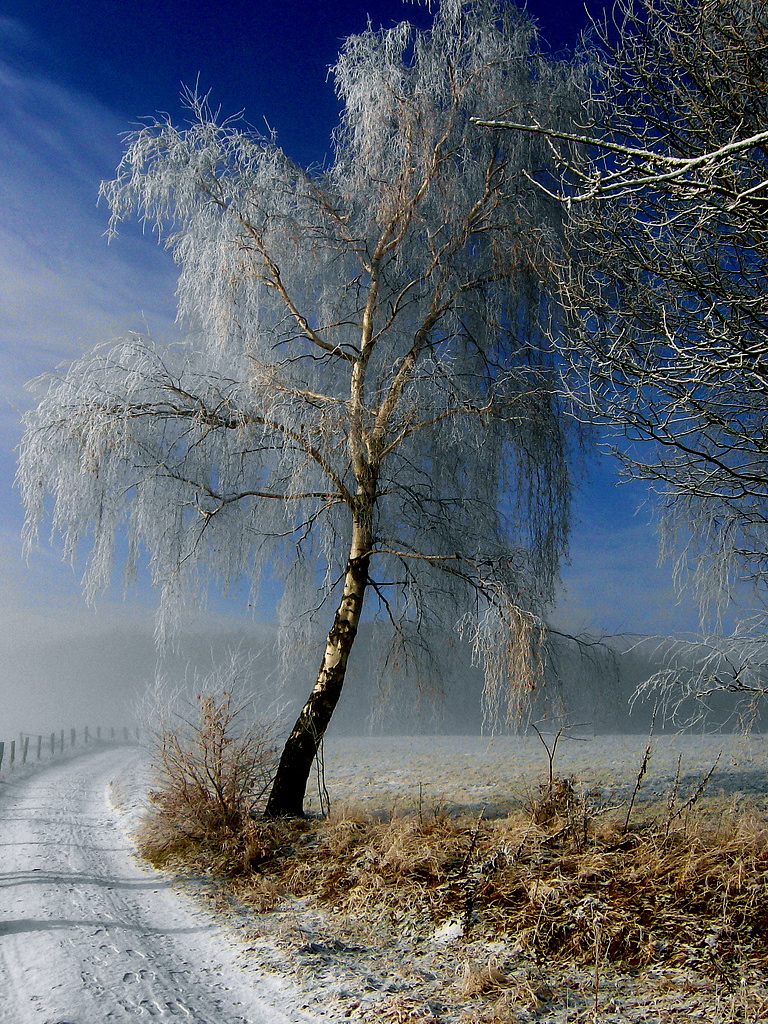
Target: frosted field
(396, 773)
(89, 934)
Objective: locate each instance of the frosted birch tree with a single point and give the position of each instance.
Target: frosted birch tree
(663, 280)
(663, 284)
(364, 404)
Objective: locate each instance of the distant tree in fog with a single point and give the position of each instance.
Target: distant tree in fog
(364, 404)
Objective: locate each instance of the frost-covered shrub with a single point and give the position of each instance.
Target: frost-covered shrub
(209, 773)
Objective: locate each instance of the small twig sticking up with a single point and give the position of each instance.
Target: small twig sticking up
(673, 797)
(596, 987)
(642, 771)
(551, 751)
(469, 903)
(697, 792)
(472, 843)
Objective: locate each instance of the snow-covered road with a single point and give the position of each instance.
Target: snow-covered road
(88, 936)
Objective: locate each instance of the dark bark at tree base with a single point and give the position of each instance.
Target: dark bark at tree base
(287, 796)
(288, 790)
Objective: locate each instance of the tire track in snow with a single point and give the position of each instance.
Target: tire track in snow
(88, 936)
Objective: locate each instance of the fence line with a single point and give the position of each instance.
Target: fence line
(13, 753)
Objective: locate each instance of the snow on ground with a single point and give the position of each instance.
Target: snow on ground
(397, 773)
(88, 936)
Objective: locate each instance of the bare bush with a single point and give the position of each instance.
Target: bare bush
(210, 772)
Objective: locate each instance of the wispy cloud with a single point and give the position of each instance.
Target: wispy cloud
(63, 289)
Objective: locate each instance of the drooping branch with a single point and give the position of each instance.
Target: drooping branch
(661, 280)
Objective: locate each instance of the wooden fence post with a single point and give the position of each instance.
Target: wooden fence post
(13, 754)
(24, 750)
(2, 752)
(39, 746)
(87, 737)
(72, 737)
(53, 743)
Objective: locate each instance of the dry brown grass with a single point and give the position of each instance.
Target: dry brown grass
(691, 892)
(563, 887)
(687, 895)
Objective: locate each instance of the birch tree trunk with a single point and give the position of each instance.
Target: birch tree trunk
(287, 796)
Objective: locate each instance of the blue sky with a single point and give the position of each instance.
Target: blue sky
(73, 77)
